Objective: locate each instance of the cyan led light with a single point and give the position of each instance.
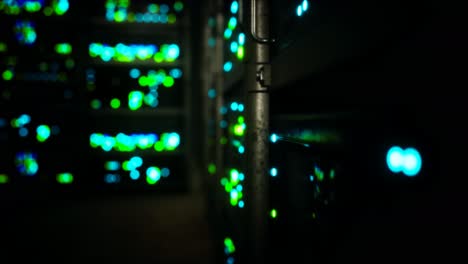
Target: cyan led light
(407, 161)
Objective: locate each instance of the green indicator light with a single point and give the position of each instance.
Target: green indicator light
(3, 47)
(65, 178)
(7, 75)
(4, 179)
(63, 48)
(240, 52)
(229, 245)
(95, 104)
(273, 213)
(43, 133)
(178, 6)
(115, 103)
(211, 168)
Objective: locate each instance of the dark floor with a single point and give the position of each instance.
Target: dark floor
(144, 229)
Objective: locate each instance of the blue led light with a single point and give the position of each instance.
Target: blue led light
(241, 149)
(234, 7)
(241, 204)
(112, 178)
(234, 46)
(273, 138)
(408, 161)
(241, 39)
(274, 172)
(305, 5)
(223, 110)
(241, 176)
(212, 93)
(299, 11)
(176, 73)
(165, 172)
(413, 162)
(173, 51)
(134, 175)
(234, 106)
(240, 108)
(23, 132)
(223, 124)
(134, 73)
(227, 66)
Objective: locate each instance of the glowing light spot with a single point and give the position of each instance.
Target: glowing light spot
(7, 75)
(178, 6)
(212, 168)
(4, 179)
(274, 172)
(26, 163)
(232, 23)
(273, 213)
(3, 47)
(112, 165)
(273, 138)
(234, 7)
(305, 5)
(112, 178)
(65, 178)
(95, 104)
(227, 66)
(241, 149)
(115, 103)
(211, 93)
(134, 73)
(43, 133)
(134, 175)
(408, 161)
(227, 33)
(176, 73)
(153, 175)
(23, 132)
(412, 163)
(63, 48)
(229, 245)
(234, 106)
(299, 11)
(395, 159)
(165, 172)
(240, 53)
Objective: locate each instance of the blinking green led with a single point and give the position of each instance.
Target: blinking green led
(63, 48)
(7, 75)
(115, 103)
(65, 178)
(43, 133)
(273, 213)
(4, 179)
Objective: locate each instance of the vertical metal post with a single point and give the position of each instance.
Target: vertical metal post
(219, 100)
(257, 86)
(207, 78)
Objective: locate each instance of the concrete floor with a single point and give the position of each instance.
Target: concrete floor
(128, 229)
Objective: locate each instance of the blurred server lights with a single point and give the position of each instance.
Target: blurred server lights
(407, 161)
(48, 7)
(122, 12)
(128, 143)
(135, 52)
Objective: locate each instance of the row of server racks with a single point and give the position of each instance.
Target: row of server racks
(95, 97)
(319, 147)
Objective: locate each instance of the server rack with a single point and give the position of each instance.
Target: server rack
(110, 84)
(338, 120)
